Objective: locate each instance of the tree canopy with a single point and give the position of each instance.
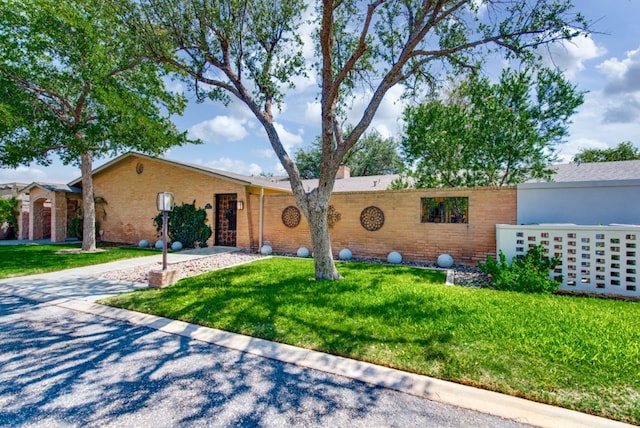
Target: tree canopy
(254, 51)
(75, 84)
(624, 151)
(372, 155)
(490, 134)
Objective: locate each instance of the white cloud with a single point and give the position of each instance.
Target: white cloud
(265, 153)
(570, 55)
(623, 75)
(56, 173)
(220, 129)
(387, 119)
(571, 148)
(289, 139)
(236, 166)
(313, 112)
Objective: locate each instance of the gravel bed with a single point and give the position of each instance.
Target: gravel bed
(184, 269)
(463, 275)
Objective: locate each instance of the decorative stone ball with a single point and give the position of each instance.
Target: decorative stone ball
(345, 254)
(143, 244)
(266, 250)
(176, 246)
(394, 257)
(303, 252)
(445, 261)
(159, 244)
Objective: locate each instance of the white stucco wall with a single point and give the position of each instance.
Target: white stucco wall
(584, 203)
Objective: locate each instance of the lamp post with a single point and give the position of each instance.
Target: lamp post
(164, 203)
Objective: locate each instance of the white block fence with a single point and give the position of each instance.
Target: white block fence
(594, 259)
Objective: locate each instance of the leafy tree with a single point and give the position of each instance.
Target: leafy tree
(372, 155)
(75, 84)
(253, 51)
(9, 212)
(490, 134)
(624, 151)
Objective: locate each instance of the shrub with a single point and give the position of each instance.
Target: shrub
(75, 227)
(529, 274)
(187, 224)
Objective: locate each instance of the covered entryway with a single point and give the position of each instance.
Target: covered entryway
(226, 219)
(49, 206)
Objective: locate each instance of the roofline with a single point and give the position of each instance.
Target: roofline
(42, 186)
(577, 184)
(215, 173)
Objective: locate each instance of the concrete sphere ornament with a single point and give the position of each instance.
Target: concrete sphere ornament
(176, 246)
(445, 261)
(345, 254)
(159, 244)
(303, 252)
(143, 244)
(394, 257)
(266, 250)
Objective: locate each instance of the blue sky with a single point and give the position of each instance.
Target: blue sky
(606, 64)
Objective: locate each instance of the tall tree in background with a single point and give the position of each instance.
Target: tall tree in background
(372, 155)
(74, 84)
(490, 134)
(624, 151)
(252, 50)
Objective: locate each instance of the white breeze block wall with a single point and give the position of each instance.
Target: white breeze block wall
(594, 259)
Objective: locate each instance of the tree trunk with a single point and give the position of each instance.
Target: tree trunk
(88, 205)
(315, 207)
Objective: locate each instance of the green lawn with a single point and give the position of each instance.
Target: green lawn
(580, 353)
(29, 259)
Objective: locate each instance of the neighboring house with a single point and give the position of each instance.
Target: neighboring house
(597, 193)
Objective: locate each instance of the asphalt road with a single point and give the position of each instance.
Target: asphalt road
(62, 368)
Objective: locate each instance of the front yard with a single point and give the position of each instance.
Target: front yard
(579, 353)
(19, 260)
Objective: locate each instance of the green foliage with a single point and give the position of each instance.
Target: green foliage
(9, 211)
(187, 224)
(624, 151)
(489, 134)
(529, 274)
(372, 155)
(75, 227)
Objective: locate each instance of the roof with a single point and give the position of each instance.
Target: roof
(595, 171)
(230, 176)
(356, 184)
(52, 187)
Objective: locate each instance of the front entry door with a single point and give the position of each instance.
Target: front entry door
(226, 218)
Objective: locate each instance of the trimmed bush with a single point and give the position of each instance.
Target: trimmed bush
(529, 274)
(187, 224)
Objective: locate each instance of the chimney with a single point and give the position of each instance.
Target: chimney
(343, 171)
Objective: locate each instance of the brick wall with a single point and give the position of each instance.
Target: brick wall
(403, 230)
(131, 197)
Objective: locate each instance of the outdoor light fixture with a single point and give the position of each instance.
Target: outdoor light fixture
(208, 206)
(240, 205)
(164, 203)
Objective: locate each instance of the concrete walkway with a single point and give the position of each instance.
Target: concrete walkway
(75, 291)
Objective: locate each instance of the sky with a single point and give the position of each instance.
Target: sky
(606, 65)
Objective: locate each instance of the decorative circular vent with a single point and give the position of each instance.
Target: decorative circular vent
(333, 216)
(291, 216)
(372, 218)
(139, 167)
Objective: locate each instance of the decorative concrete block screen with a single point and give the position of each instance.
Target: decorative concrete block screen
(594, 259)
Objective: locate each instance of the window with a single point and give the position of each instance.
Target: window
(444, 210)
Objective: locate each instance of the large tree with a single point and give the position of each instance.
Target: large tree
(490, 134)
(252, 50)
(372, 155)
(624, 151)
(73, 83)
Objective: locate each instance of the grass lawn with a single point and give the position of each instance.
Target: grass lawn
(579, 353)
(29, 259)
